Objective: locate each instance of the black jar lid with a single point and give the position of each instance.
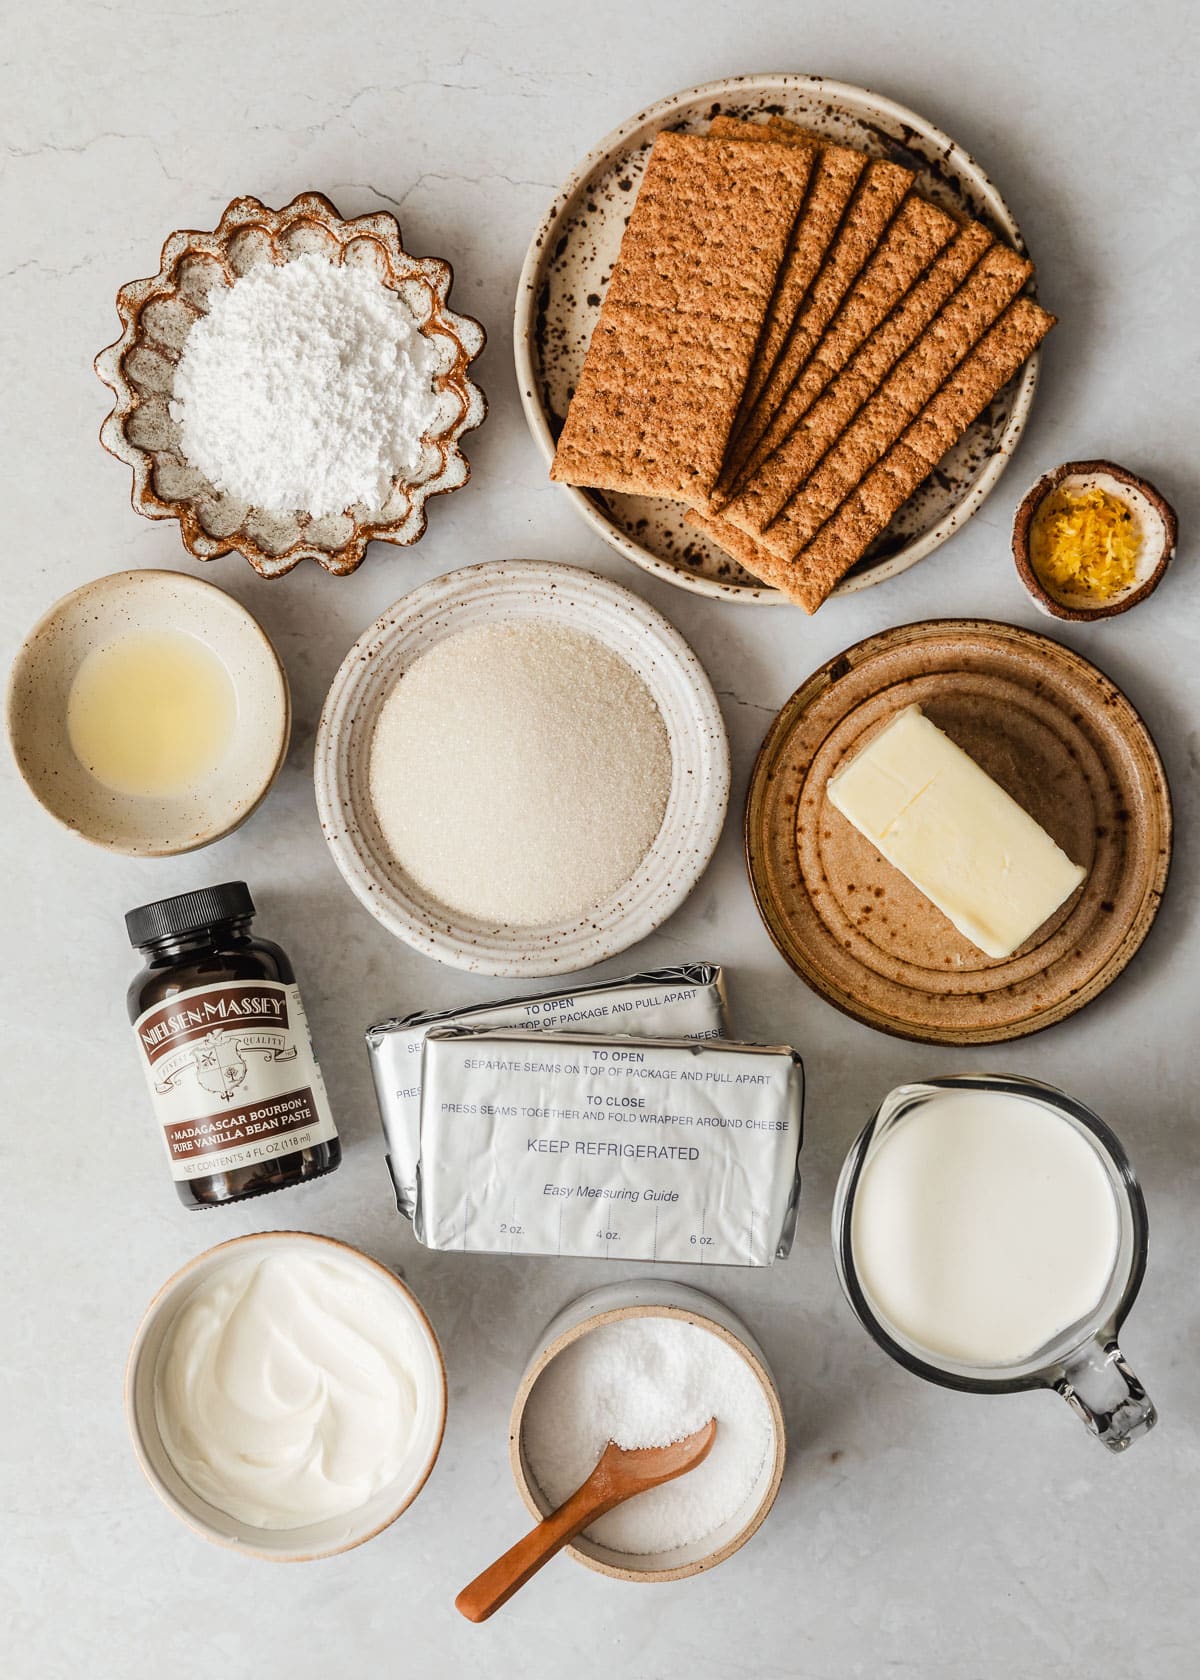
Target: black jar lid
(169, 917)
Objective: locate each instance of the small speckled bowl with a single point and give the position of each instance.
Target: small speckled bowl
(496, 591)
(98, 614)
(157, 314)
(277, 1545)
(654, 1298)
(1156, 522)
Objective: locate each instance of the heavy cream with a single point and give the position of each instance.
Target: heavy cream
(287, 1390)
(984, 1225)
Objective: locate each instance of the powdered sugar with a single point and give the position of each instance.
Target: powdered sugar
(644, 1382)
(307, 386)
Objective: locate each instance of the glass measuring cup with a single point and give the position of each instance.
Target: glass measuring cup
(1083, 1362)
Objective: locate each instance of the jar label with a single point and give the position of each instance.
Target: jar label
(233, 1076)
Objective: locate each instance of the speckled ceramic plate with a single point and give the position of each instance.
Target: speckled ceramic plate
(1056, 734)
(496, 591)
(571, 258)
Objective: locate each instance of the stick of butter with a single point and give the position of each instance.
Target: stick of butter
(959, 838)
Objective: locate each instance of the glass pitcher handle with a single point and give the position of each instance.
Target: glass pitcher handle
(1100, 1387)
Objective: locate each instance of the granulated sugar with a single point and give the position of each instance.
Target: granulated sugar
(644, 1382)
(520, 772)
(306, 386)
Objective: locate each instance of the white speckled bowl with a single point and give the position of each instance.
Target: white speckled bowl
(97, 614)
(489, 593)
(277, 1545)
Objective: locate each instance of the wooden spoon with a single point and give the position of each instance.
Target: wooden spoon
(620, 1473)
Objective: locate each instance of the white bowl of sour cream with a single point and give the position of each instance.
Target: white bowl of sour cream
(286, 1395)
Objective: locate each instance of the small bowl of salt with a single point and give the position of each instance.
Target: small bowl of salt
(643, 1364)
(292, 385)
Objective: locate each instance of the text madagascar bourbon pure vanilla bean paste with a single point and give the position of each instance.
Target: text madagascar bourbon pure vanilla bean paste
(223, 1040)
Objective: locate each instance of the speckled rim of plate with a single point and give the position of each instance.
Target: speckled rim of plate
(160, 826)
(303, 1546)
(882, 673)
(486, 593)
(900, 133)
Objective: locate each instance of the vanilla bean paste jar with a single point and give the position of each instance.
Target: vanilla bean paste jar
(224, 1043)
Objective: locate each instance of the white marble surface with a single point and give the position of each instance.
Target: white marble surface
(918, 1533)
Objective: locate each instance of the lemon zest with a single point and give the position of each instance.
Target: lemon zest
(1085, 543)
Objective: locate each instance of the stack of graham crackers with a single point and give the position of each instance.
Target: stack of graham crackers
(791, 340)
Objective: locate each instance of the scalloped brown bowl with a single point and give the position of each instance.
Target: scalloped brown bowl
(158, 313)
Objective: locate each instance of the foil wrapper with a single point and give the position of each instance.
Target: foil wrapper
(683, 1002)
(615, 1147)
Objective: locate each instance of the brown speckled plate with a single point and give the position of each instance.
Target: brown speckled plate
(1054, 732)
(568, 265)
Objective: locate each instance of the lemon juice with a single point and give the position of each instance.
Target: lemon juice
(151, 714)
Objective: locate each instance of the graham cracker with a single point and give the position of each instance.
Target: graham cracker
(881, 190)
(664, 373)
(917, 234)
(835, 171)
(708, 272)
(759, 561)
(832, 412)
(779, 125)
(942, 421)
(785, 504)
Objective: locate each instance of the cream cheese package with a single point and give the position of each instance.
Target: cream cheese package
(687, 1001)
(622, 1147)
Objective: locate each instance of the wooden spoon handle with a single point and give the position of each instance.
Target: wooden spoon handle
(497, 1584)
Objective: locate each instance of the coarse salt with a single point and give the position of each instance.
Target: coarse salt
(307, 386)
(520, 772)
(645, 1382)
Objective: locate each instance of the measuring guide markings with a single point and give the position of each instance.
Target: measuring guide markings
(641, 1149)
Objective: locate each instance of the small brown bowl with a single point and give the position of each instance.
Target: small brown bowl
(156, 316)
(1154, 514)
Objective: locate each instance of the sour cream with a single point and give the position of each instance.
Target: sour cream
(287, 1391)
